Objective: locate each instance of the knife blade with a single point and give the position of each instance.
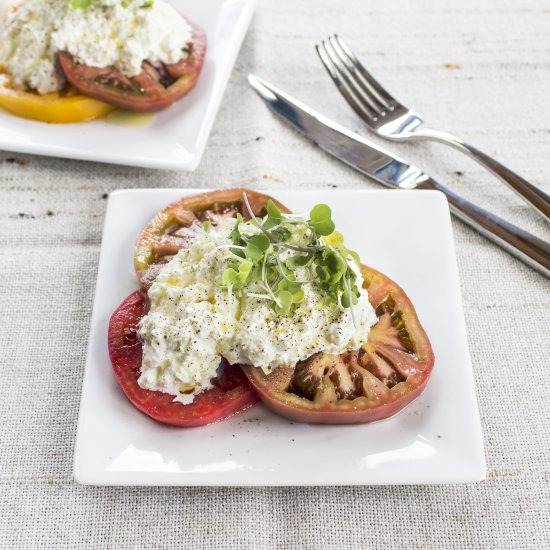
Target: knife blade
(392, 171)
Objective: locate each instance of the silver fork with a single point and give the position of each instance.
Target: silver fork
(392, 120)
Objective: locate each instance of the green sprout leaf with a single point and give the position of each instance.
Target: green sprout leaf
(299, 260)
(235, 277)
(282, 234)
(257, 247)
(235, 234)
(273, 211)
(335, 239)
(355, 257)
(244, 270)
(285, 300)
(335, 264)
(321, 220)
(255, 274)
(274, 216)
(207, 226)
(292, 286)
(79, 4)
(323, 273)
(330, 298)
(229, 277)
(345, 299)
(298, 296)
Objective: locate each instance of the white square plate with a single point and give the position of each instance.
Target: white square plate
(436, 439)
(172, 139)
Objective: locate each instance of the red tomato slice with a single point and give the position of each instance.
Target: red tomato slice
(155, 88)
(232, 392)
(371, 383)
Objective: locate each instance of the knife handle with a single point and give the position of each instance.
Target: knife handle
(523, 245)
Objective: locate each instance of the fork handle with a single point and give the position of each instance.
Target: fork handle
(530, 193)
(523, 245)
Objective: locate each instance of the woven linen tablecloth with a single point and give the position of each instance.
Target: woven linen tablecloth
(478, 68)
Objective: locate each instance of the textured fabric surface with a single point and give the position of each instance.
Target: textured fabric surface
(479, 69)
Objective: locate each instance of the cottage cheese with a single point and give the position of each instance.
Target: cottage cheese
(110, 32)
(193, 322)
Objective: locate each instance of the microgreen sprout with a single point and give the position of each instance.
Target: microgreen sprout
(86, 4)
(262, 247)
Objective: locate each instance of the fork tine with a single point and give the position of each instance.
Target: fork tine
(361, 108)
(374, 100)
(378, 88)
(345, 73)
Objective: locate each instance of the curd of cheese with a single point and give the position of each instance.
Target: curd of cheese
(119, 33)
(193, 322)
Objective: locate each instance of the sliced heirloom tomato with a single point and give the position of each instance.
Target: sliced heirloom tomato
(57, 108)
(173, 227)
(157, 86)
(371, 383)
(231, 394)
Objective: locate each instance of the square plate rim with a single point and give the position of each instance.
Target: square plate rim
(477, 471)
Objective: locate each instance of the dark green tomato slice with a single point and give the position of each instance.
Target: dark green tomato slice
(371, 383)
(172, 228)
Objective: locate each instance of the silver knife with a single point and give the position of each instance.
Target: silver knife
(389, 170)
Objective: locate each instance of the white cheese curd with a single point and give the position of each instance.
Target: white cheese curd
(115, 33)
(193, 322)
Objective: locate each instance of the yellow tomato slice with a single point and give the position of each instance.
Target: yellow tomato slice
(56, 108)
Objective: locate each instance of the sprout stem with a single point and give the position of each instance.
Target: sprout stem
(306, 249)
(352, 313)
(259, 296)
(255, 219)
(231, 246)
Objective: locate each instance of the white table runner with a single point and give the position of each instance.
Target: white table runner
(479, 69)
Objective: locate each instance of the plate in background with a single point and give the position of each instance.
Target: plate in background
(172, 139)
(436, 439)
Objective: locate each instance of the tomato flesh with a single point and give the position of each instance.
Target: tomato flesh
(156, 87)
(372, 383)
(231, 394)
(169, 230)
